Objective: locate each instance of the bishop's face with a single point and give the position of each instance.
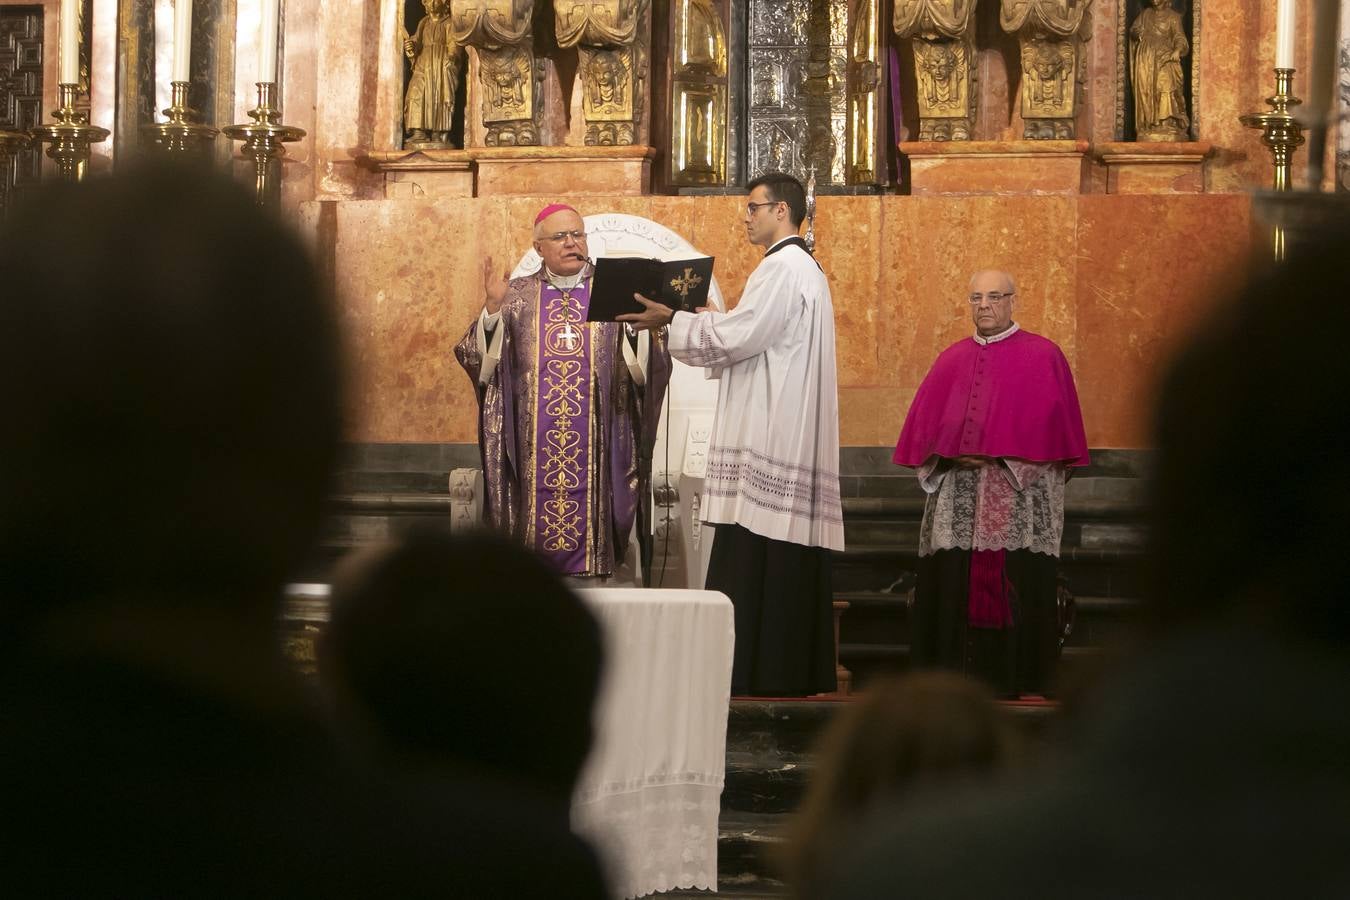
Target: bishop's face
(991, 314)
(561, 241)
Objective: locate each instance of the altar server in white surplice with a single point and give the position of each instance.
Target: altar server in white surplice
(772, 484)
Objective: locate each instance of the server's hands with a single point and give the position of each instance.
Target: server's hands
(653, 316)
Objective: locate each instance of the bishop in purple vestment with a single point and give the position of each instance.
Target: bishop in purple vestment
(567, 408)
(993, 431)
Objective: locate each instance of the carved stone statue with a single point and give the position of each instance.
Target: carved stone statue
(510, 77)
(944, 53)
(1051, 35)
(429, 105)
(1157, 45)
(612, 38)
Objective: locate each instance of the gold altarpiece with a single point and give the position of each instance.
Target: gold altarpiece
(786, 85)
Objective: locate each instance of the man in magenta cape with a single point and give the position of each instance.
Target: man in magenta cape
(993, 432)
(567, 407)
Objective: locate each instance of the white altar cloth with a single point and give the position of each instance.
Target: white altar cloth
(649, 796)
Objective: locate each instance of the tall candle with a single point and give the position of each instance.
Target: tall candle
(1285, 28)
(267, 43)
(182, 40)
(70, 43)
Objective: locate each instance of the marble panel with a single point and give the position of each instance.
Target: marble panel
(871, 416)
(848, 243)
(344, 114)
(932, 245)
(1100, 92)
(719, 231)
(300, 88)
(995, 167)
(1148, 267)
(577, 176)
(1237, 58)
(409, 281)
(1154, 167)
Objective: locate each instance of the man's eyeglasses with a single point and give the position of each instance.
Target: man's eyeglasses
(560, 237)
(751, 207)
(992, 297)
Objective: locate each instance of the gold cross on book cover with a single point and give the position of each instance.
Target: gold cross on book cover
(678, 283)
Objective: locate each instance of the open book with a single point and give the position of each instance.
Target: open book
(678, 283)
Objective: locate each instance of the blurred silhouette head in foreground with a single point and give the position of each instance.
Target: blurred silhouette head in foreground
(170, 375)
(465, 649)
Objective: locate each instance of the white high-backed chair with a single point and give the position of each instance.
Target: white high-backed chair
(680, 557)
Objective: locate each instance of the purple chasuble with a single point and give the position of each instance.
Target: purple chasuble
(1009, 398)
(562, 500)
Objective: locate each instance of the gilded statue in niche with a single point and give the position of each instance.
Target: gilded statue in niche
(500, 33)
(942, 35)
(429, 104)
(1051, 35)
(1157, 45)
(611, 37)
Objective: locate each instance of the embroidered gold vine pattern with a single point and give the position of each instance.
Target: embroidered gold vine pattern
(563, 385)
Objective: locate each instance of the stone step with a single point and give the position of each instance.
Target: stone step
(1111, 571)
(746, 844)
(770, 760)
(883, 617)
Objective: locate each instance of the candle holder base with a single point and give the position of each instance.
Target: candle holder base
(182, 133)
(70, 137)
(12, 143)
(1280, 131)
(264, 142)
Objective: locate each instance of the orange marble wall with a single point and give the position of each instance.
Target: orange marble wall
(1115, 280)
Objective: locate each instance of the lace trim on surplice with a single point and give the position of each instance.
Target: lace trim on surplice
(1011, 505)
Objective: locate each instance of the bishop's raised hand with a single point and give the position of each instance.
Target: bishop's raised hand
(495, 287)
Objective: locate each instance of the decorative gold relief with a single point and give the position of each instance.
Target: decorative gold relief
(429, 104)
(944, 52)
(1050, 34)
(1157, 45)
(509, 76)
(698, 95)
(611, 37)
(864, 98)
(799, 88)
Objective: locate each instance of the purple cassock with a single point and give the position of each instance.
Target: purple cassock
(1009, 398)
(564, 426)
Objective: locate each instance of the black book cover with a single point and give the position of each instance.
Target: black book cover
(678, 283)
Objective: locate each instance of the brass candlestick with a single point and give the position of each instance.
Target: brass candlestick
(1282, 133)
(182, 133)
(11, 143)
(264, 142)
(70, 136)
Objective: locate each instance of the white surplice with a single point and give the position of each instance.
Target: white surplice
(773, 463)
